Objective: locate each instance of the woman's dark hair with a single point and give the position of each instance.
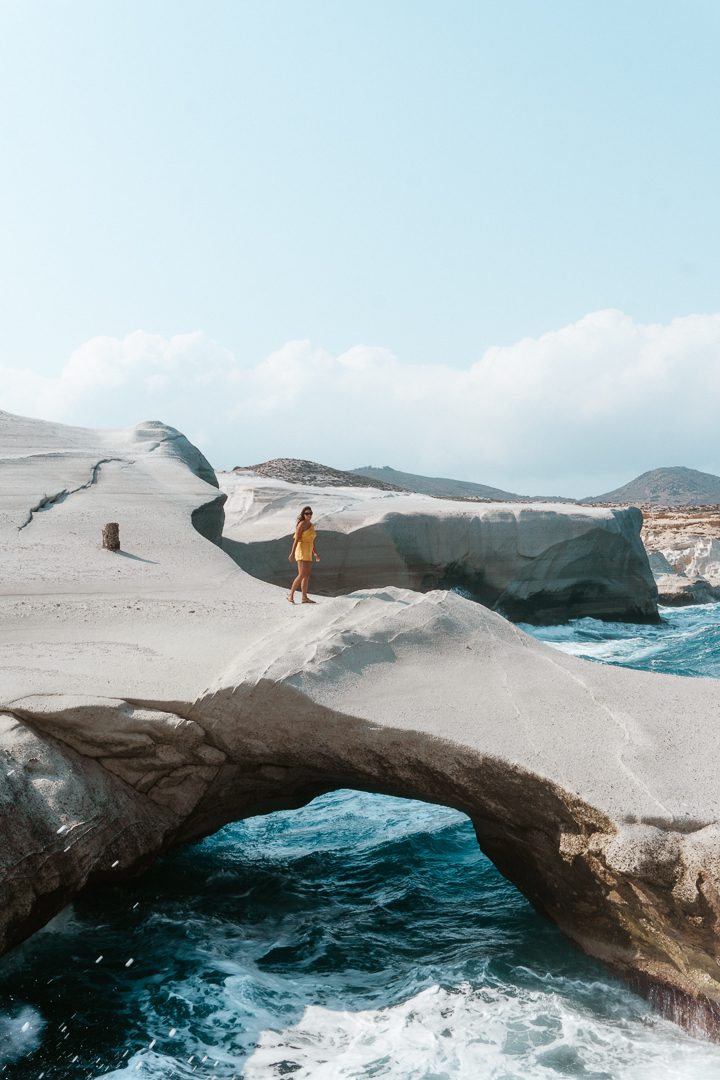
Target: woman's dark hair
(302, 513)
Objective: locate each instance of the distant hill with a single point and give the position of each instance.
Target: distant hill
(439, 486)
(298, 471)
(674, 486)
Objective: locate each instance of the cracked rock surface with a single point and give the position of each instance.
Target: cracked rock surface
(150, 696)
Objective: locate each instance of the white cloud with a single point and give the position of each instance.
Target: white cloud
(578, 409)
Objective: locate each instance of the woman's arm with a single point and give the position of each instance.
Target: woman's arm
(314, 551)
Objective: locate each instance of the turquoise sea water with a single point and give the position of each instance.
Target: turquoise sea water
(361, 936)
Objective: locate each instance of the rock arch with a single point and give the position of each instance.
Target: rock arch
(574, 775)
(147, 701)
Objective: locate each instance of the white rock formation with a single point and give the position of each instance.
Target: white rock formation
(698, 558)
(678, 590)
(683, 545)
(544, 562)
(149, 697)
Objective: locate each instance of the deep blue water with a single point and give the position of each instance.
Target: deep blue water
(687, 642)
(361, 936)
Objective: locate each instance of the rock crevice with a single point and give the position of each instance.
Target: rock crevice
(49, 501)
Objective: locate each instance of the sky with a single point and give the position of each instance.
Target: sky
(470, 239)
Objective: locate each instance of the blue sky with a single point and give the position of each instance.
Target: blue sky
(434, 179)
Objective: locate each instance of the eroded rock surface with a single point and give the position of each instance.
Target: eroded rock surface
(540, 563)
(152, 707)
(683, 544)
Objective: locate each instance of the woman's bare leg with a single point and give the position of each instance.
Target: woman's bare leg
(296, 584)
(307, 567)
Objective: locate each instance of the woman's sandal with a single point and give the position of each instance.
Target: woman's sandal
(309, 601)
(290, 599)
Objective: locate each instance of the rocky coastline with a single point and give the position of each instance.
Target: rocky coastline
(683, 543)
(149, 696)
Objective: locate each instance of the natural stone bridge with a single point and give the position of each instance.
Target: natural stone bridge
(151, 696)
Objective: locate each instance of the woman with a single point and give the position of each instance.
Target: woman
(303, 550)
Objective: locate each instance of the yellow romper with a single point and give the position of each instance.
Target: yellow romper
(304, 546)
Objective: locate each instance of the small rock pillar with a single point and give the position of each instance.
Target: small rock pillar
(111, 536)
